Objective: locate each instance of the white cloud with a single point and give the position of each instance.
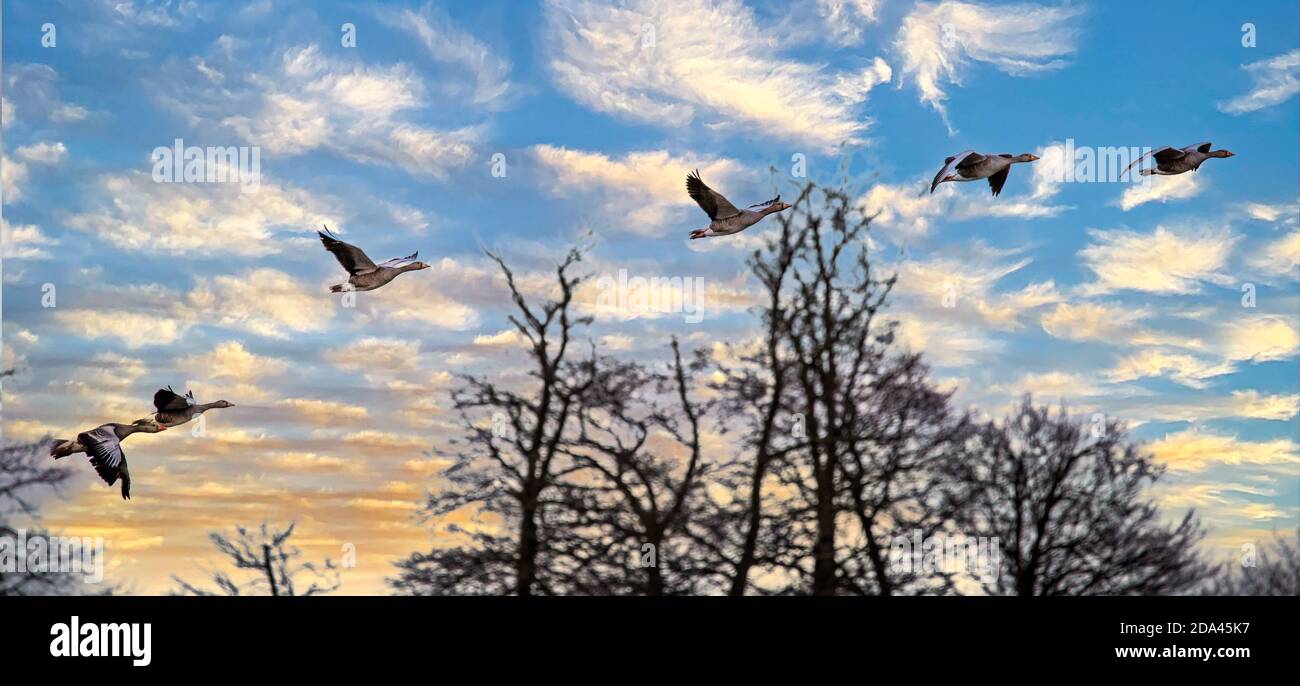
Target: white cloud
(1261, 339)
(308, 100)
(908, 210)
(1194, 450)
(231, 360)
(32, 90)
(1274, 81)
(199, 218)
(1049, 386)
(25, 242)
(844, 18)
(1160, 189)
(372, 355)
(938, 41)
(668, 62)
(1164, 262)
(263, 301)
(13, 176)
(641, 189)
(1279, 257)
(1188, 370)
(44, 153)
(962, 287)
(447, 43)
(1091, 321)
(422, 298)
(945, 343)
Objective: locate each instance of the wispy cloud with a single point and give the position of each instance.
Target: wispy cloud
(447, 43)
(1164, 261)
(1195, 450)
(137, 214)
(938, 42)
(640, 189)
(668, 62)
(1273, 81)
(1160, 189)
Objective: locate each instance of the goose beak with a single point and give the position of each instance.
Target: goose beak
(1034, 158)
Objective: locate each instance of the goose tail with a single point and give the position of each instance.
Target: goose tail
(60, 448)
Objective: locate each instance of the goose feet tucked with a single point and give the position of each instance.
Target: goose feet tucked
(700, 233)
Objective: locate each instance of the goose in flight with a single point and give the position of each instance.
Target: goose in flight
(104, 446)
(1171, 161)
(724, 218)
(364, 274)
(174, 409)
(973, 166)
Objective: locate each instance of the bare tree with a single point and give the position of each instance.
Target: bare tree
(1068, 501)
(511, 463)
(27, 475)
(1273, 570)
(640, 474)
(844, 430)
(271, 564)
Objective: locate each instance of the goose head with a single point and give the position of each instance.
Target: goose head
(1026, 157)
(1221, 153)
(148, 425)
(223, 404)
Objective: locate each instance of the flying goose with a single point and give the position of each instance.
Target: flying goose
(104, 446)
(364, 274)
(1171, 161)
(175, 409)
(973, 166)
(724, 218)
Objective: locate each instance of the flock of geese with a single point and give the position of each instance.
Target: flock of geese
(104, 443)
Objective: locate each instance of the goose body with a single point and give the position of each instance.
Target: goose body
(174, 409)
(1171, 161)
(973, 166)
(363, 273)
(724, 218)
(104, 446)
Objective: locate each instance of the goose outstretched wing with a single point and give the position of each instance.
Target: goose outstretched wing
(712, 202)
(353, 259)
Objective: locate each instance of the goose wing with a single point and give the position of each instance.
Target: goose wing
(951, 163)
(1163, 155)
(1199, 147)
(399, 261)
(350, 256)
(709, 200)
(998, 179)
(167, 400)
(106, 456)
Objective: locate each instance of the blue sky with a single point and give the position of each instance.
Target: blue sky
(1119, 300)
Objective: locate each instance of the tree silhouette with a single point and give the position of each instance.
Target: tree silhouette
(1067, 500)
(639, 472)
(510, 463)
(600, 476)
(271, 564)
(846, 428)
(26, 476)
(1274, 571)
